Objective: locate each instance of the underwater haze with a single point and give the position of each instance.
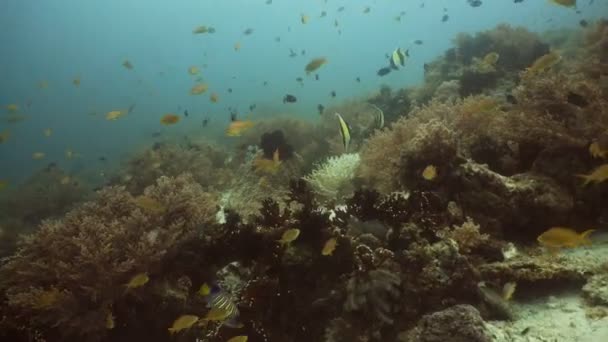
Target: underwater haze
(304, 170)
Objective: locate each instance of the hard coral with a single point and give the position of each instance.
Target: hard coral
(71, 273)
(373, 292)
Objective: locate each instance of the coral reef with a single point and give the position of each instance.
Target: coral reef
(332, 180)
(71, 273)
(596, 289)
(460, 323)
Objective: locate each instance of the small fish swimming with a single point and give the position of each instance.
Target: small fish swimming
(114, 115)
(565, 3)
(383, 71)
(237, 46)
(76, 81)
(12, 108)
(214, 98)
(304, 19)
(186, 113)
(198, 89)
(222, 307)
(418, 42)
(138, 280)
(320, 108)
(48, 132)
(475, 3)
(183, 322)
(429, 173)
(333, 93)
(596, 150)
(248, 31)
(398, 58)
(289, 99)
(240, 338)
(169, 119)
(445, 18)
(205, 122)
(559, 237)
(204, 290)
(3, 184)
(329, 247)
(38, 155)
(315, 64)
(127, 64)
(200, 29)
(344, 132)
(238, 127)
(193, 70)
(4, 135)
(598, 175)
(289, 236)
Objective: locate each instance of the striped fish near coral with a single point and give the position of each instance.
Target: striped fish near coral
(344, 132)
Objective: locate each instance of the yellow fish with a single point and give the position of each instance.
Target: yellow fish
(193, 70)
(237, 127)
(76, 81)
(198, 89)
(110, 323)
(491, 58)
(289, 236)
(304, 18)
(598, 175)
(4, 136)
(543, 63)
(149, 204)
(429, 173)
(3, 184)
(344, 132)
(596, 151)
(12, 108)
(38, 155)
(138, 280)
(114, 115)
(329, 247)
(217, 314)
(169, 119)
(315, 64)
(48, 132)
(241, 338)
(204, 290)
(265, 165)
(200, 29)
(558, 237)
(565, 3)
(508, 290)
(183, 322)
(65, 180)
(214, 97)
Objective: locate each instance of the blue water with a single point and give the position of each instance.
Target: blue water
(58, 40)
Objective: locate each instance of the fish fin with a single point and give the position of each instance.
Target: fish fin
(586, 179)
(585, 236)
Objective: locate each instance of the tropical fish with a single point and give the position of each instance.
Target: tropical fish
(237, 127)
(320, 108)
(200, 29)
(169, 119)
(304, 18)
(429, 173)
(565, 3)
(289, 236)
(149, 204)
(367, 9)
(48, 132)
(329, 247)
(315, 64)
(198, 89)
(248, 31)
(12, 108)
(114, 115)
(265, 165)
(558, 237)
(508, 289)
(38, 155)
(491, 58)
(110, 322)
(383, 71)
(183, 322)
(138, 280)
(214, 98)
(344, 132)
(398, 58)
(127, 64)
(240, 338)
(598, 175)
(204, 290)
(4, 135)
(76, 81)
(222, 307)
(288, 98)
(543, 63)
(379, 117)
(597, 151)
(193, 70)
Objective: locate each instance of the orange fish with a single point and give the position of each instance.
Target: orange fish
(598, 175)
(214, 97)
(558, 237)
(237, 127)
(198, 89)
(169, 119)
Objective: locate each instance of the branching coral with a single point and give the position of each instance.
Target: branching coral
(333, 179)
(72, 271)
(467, 236)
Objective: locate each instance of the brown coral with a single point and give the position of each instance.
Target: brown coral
(71, 272)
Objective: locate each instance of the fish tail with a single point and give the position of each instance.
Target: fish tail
(585, 236)
(586, 179)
